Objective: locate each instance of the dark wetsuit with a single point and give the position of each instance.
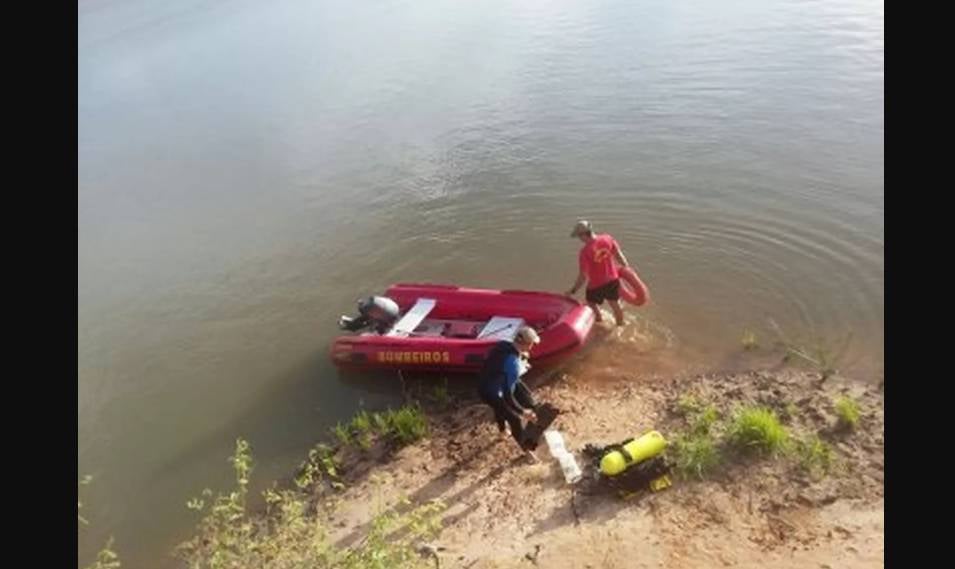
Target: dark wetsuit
(501, 388)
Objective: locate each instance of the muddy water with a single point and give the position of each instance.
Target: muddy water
(247, 169)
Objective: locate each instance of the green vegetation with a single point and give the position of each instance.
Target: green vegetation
(696, 452)
(704, 444)
(695, 455)
(403, 426)
(815, 456)
(848, 411)
(321, 465)
(758, 428)
(290, 534)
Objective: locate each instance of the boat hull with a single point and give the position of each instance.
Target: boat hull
(562, 323)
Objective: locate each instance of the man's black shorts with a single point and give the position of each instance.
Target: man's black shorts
(609, 291)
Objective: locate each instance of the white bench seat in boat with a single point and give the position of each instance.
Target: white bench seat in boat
(413, 318)
(501, 328)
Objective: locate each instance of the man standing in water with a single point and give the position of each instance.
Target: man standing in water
(501, 388)
(598, 262)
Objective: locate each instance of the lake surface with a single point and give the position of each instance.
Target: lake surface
(247, 170)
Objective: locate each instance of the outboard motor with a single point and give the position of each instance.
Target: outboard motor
(379, 312)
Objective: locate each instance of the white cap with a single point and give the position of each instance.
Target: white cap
(582, 227)
(527, 335)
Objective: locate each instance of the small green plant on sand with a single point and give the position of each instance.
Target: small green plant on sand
(361, 426)
(703, 422)
(404, 425)
(321, 464)
(695, 454)
(700, 416)
(758, 428)
(688, 405)
(815, 456)
(381, 423)
(408, 424)
(696, 451)
(848, 411)
(342, 433)
(361, 422)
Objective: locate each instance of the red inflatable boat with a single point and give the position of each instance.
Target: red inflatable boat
(450, 328)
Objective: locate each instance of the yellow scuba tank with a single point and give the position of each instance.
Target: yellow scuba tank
(632, 452)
